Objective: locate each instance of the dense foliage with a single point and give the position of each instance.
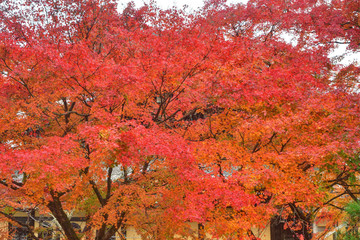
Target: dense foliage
(154, 118)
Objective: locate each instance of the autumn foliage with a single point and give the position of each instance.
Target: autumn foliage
(154, 118)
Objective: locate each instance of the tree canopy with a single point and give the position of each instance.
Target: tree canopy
(153, 118)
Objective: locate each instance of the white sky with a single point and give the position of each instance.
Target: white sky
(346, 57)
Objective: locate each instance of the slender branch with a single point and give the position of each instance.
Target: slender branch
(109, 182)
(70, 112)
(97, 192)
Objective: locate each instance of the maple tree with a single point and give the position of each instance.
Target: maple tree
(153, 118)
